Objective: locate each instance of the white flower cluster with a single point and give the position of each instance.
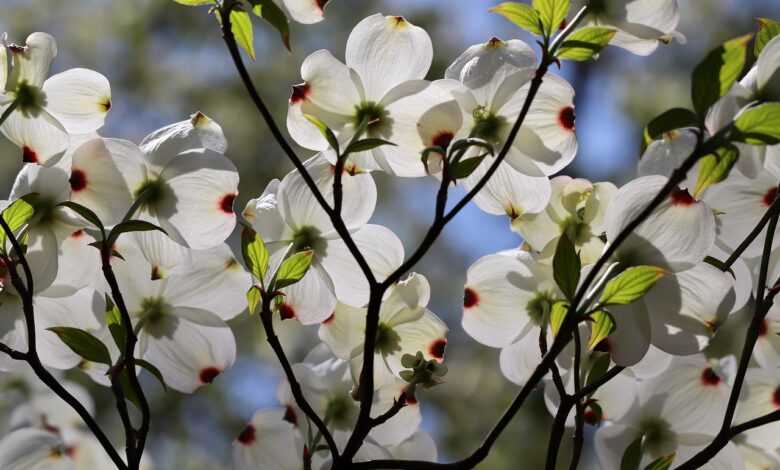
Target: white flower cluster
(643, 286)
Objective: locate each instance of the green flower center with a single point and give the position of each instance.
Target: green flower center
(307, 238)
(487, 124)
(387, 340)
(577, 230)
(153, 310)
(340, 411)
(539, 307)
(152, 191)
(30, 99)
(658, 436)
(371, 112)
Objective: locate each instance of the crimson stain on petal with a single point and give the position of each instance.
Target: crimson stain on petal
(29, 155)
(776, 397)
(770, 196)
(470, 297)
(226, 203)
(681, 197)
(299, 93)
(286, 311)
(77, 234)
(247, 436)
(443, 139)
(208, 374)
(710, 378)
(78, 180)
(330, 319)
(763, 328)
(436, 349)
(567, 118)
(290, 416)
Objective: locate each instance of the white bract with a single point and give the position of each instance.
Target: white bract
(641, 24)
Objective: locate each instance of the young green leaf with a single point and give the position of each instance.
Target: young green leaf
(715, 75)
(552, 13)
(241, 25)
(86, 213)
(662, 463)
(15, 216)
(255, 253)
(253, 298)
(325, 131)
(152, 369)
(114, 322)
(602, 326)
(598, 369)
(464, 168)
(585, 43)
(566, 266)
(631, 285)
(673, 119)
(129, 226)
(293, 269)
(558, 313)
(632, 456)
(83, 344)
(365, 145)
(759, 125)
(270, 12)
(520, 14)
(767, 30)
(715, 167)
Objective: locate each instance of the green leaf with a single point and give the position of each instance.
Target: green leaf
(715, 167)
(598, 369)
(293, 269)
(241, 25)
(632, 456)
(86, 213)
(325, 131)
(365, 145)
(767, 30)
(585, 43)
(129, 226)
(194, 3)
(673, 119)
(253, 298)
(552, 13)
(662, 463)
(16, 216)
(558, 313)
(520, 14)
(715, 75)
(631, 285)
(566, 266)
(603, 326)
(152, 370)
(128, 389)
(464, 168)
(114, 322)
(759, 125)
(270, 12)
(83, 344)
(255, 253)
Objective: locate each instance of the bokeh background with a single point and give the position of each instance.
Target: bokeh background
(166, 61)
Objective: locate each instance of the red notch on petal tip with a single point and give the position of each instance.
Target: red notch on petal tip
(286, 311)
(330, 319)
(681, 197)
(567, 118)
(77, 234)
(770, 196)
(709, 378)
(290, 416)
(776, 397)
(470, 298)
(78, 180)
(247, 436)
(226, 203)
(208, 374)
(29, 155)
(436, 349)
(300, 93)
(443, 139)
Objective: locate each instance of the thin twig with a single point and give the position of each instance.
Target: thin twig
(579, 419)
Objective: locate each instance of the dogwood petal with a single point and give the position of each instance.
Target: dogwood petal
(197, 132)
(630, 341)
(79, 310)
(212, 280)
(33, 449)
(499, 297)
(483, 67)
(344, 332)
(268, 441)
(509, 192)
(306, 11)
(611, 442)
(79, 99)
(519, 359)
(310, 300)
(676, 236)
(204, 185)
(653, 363)
(760, 396)
(328, 84)
(383, 252)
(386, 51)
(427, 334)
(189, 355)
(129, 161)
(403, 425)
(41, 137)
(768, 64)
(31, 64)
(419, 446)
